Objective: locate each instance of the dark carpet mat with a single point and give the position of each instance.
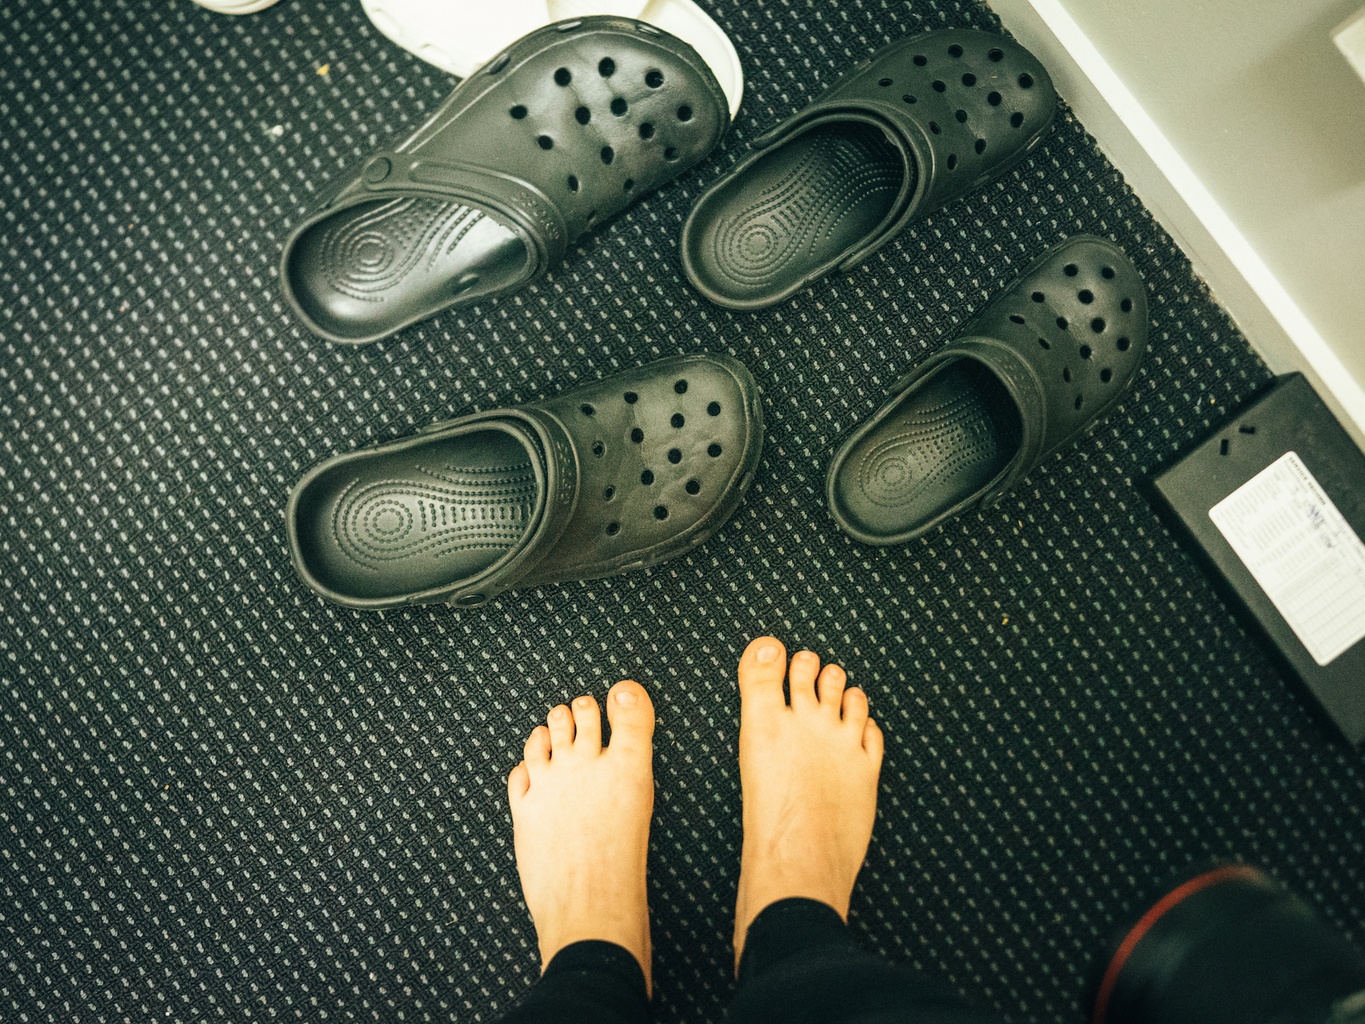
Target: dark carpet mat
(221, 798)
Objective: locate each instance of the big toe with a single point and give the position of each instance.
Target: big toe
(631, 714)
(762, 668)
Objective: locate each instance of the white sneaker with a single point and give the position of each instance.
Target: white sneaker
(459, 36)
(236, 6)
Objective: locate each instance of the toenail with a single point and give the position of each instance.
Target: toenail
(583, 702)
(559, 712)
(768, 652)
(627, 697)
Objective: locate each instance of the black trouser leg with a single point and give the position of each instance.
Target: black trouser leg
(587, 983)
(801, 966)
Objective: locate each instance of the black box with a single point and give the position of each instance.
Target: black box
(1276, 501)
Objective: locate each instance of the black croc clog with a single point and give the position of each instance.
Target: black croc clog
(561, 132)
(925, 121)
(1042, 364)
(610, 477)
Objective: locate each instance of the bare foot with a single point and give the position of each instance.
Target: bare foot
(808, 769)
(580, 821)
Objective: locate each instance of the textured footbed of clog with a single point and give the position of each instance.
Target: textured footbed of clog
(947, 439)
(383, 524)
(797, 208)
(364, 271)
(594, 120)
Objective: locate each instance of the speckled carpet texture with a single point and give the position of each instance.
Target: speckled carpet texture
(224, 799)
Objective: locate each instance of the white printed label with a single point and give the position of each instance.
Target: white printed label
(1302, 552)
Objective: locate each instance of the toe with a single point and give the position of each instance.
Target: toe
(518, 782)
(762, 667)
(631, 714)
(587, 723)
(560, 721)
(855, 708)
(537, 751)
(830, 686)
(801, 675)
(873, 742)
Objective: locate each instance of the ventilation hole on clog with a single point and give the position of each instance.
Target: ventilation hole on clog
(1016, 318)
(1086, 296)
(909, 99)
(586, 409)
(1107, 273)
(628, 184)
(607, 155)
(1045, 343)
(654, 78)
(592, 217)
(1097, 325)
(952, 161)
(684, 113)
(961, 116)
(675, 455)
(1061, 322)
(573, 183)
(1122, 344)
(933, 127)
(996, 55)
(582, 115)
(1106, 375)
(1016, 120)
(545, 142)
(1071, 270)
(1085, 351)
(969, 79)
(1038, 297)
(713, 409)
(606, 67)
(885, 83)
(671, 153)
(647, 477)
(608, 494)
(631, 397)
(1066, 374)
(1126, 305)
(680, 387)
(599, 449)
(980, 146)
(713, 451)
(619, 106)
(939, 86)
(562, 76)
(660, 512)
(646, 131)
(637, 435)
(1026, 81)
(693, 487)
(921, 60)
(517, 112)
(613, 529)
(994, 99)
(677, 421)
(1079, 401)
(955, 51)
